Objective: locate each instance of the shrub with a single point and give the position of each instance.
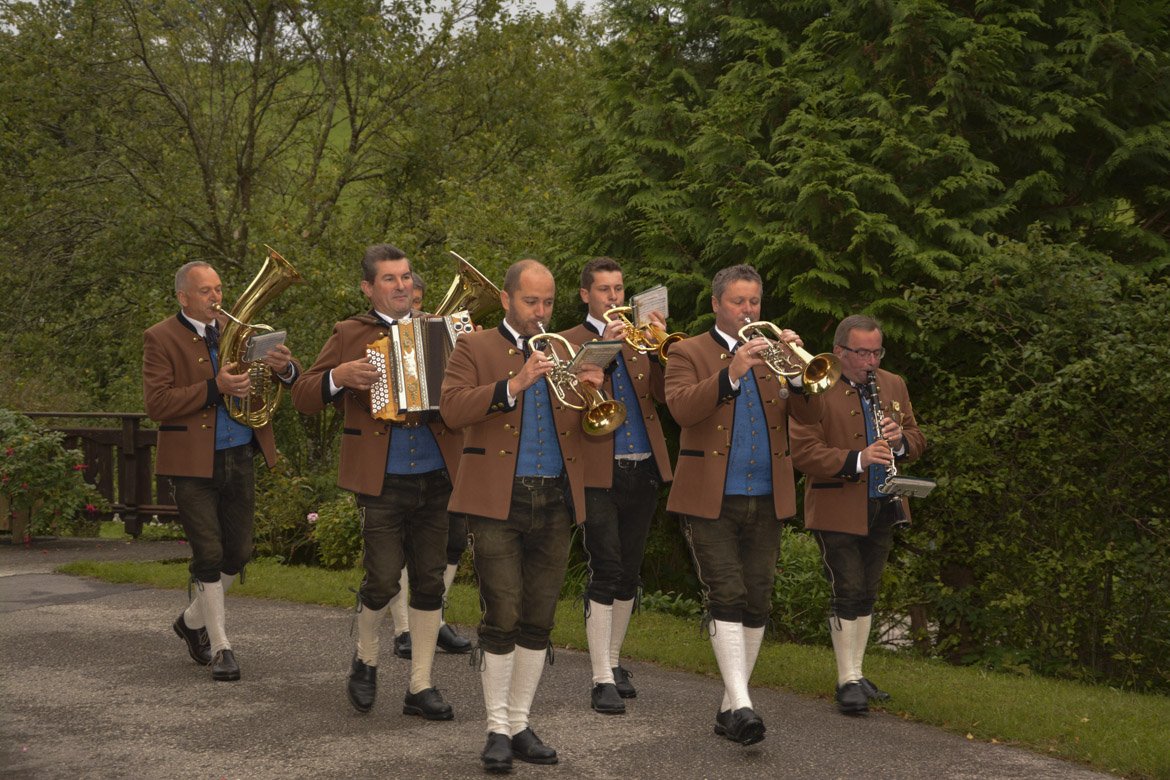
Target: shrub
(337, 530)
(284, 499)
(800, 595)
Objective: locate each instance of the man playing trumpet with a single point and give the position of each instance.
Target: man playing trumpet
(623, 471)
(522, 484)
(734, 484)
(401, 475)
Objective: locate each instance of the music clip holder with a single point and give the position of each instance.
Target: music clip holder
(261, 343)
(596, 353)
(911, 487)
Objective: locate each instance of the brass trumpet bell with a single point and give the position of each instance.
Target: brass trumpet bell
(646, 339)
(817, 373)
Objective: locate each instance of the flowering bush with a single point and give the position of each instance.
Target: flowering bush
(42, 479)
(338, 530)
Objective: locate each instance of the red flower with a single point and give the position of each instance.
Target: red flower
(91, 509)
(79, 467)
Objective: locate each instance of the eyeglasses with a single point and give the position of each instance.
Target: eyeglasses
(878, 353)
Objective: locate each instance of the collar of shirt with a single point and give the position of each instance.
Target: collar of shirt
(200, 327)
(594, 324)
(728, 340)
(517, 339)
(387, 319)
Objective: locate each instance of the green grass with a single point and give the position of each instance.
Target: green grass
(1119, 732)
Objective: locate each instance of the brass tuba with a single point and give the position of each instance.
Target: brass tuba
(256, 409)
(471, 291)
(601, 415)
(646, 339)
(788, 360)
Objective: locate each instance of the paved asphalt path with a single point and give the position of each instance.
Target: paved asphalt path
(94, 684)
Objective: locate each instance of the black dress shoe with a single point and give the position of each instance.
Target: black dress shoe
(851, 699)
(224, 666)
(605, 699)
(497, 753)
(402, 645)
(873, 692)
(362, 685)
(526, 746)
(429, 704)
(744, 726)
(722, 719)
(198, 645)
(450, 642)
(621, 678)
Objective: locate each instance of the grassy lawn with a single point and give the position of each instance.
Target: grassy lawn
(1124, 733)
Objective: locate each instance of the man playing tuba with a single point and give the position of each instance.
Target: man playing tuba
(207, 454)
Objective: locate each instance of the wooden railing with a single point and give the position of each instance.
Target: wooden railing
(120, 463)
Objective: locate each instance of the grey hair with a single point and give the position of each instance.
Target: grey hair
(734, 273)
(184, 271)
(854, 322)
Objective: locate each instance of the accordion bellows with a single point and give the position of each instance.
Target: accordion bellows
(411, 361)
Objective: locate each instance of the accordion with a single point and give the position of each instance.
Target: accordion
(411, 361)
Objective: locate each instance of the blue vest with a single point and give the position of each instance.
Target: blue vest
(413, 451)
(228, 432)
(877, 473)
(540, 451)
(749, 467)
(630, 438)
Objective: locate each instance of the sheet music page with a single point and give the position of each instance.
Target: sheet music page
(596, 353)
(654, 299)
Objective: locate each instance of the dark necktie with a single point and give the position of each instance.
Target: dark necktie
(211, 336)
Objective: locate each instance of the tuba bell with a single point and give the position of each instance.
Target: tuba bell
(470, 290)
(601, 415)
(786, 359)
(256, 409)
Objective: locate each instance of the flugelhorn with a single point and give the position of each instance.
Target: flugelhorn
(256, 408)
(601, 415)
(786, 359)
(646, 339)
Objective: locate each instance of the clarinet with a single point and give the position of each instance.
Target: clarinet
(879, 417)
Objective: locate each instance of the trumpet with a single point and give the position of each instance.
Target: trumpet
(786, 359)
(601, 415)
(646, 339)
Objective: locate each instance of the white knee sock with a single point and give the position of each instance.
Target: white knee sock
(728, 642)
(842, 632)
(496, 678)
(424, 632)
(400, 605)
(211, 596)
(622, 609)
(526, 671)
(193, 615)
(368, 623)
(752, 639)
(448, 578)
(860, 639)
(598, 627)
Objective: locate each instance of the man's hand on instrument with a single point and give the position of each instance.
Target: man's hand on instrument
(278, 359)
(591, 374)
(235, 385)
(535, 368)
(789, 336)
(747, 356)
(657, 318)
(615, 330)
(892, 432)
(357, 374)
(878, 453)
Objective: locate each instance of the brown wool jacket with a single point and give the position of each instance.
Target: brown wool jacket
(700, 398)
(648, 378)
(365, 441)
(835, 498)
(474, 401)
(178, 385)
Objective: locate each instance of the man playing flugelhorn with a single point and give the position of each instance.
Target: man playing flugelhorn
(733, 483)
(401, 475)
(623, 471)
(522, 470)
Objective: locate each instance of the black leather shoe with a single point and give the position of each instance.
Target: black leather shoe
(198, 645)
(497, 753)
(402, 645)
(722, 719)
(851, 699)
(429, 704)
(526, 746)
(450, 642)
(621, 678)
(605, 699)
(873, 692)
(362, 685)
(224, 666)
(744, 726)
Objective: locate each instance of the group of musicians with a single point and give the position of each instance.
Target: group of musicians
(507, 466)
